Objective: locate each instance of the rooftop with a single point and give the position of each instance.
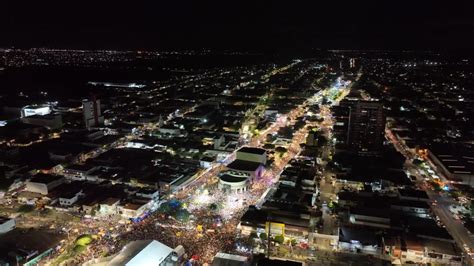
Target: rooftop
(277, 262)
(224, 259)
(4, 219)
(413, 193)
(440, 247)
(363, 235)
(142, 252)
(255, 216)
(457, 159)
(110, 201)
(252, 150)
(241, 165)
(232, 179)
(132, 206)
(45, 178)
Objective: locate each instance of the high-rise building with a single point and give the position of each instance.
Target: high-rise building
(91, 112)
(352, 63)
(366, 128)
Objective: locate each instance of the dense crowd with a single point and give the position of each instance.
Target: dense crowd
(209, 230)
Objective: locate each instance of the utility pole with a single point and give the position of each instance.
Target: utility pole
(269, 221)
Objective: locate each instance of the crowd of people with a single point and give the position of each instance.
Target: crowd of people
(209, 230)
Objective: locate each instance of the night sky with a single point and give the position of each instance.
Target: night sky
(227, 24)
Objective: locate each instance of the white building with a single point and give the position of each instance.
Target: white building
(43, 184)
(31, 110)
(171, 131)
(143, 253)
(133, 210)
(206, 162)
(92, 113)
(234, 182)
(70, 198)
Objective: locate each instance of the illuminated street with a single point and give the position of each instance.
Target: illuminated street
(233, 155)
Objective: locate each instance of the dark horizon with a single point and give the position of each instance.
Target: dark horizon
(265, 25)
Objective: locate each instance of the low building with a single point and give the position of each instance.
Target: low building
(6, 224)
(43, 183)
(249, 164)
(456, 163)
(275, 222)
(79, 171)
(51, 121)
(142, 252)
(148, 193)
(31, 110)
(229, 259)
(252, 169)
(133, 210)
(233, 183)
(412, 207)
(252, 155)
(441, 252)
(109, 206)
(206, 162)
(413, 251)
(370, 217)
(69, 199)
(413, 194)
(359, 240)
(171, 131)
(409, 249)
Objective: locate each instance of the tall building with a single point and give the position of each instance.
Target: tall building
(366, 128)
(91, 112)
(352, 63)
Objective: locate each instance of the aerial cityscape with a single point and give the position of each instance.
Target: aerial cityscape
(136, 155)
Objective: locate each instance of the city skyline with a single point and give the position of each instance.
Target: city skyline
(261, 25)
(187, 133)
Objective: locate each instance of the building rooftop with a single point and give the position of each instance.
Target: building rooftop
(232, 179)
(456, 159)
(132, 206)
(142, 252)
(441, 247)
(224, 259)
(241, 165)
(277, 262)
(412, 243)
(256, 217)
(411, 203)
(363, 235)
(45, 178)
(4, 219)
(66, 190)
(413, 193)
(252, 150)
(110, 201)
